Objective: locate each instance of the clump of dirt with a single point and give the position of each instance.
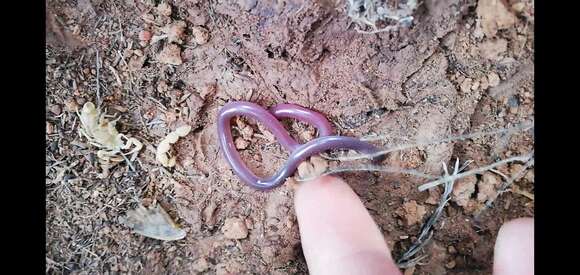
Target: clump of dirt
(462, 66)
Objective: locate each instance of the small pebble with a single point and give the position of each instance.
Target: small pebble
(241, 143)
(451, 249)
(145, 35)
(475, 85)
(493, 79)
(55, 109)
(513, 110)
(530, 175)
(106, 230)
(249, 223)
(81, 101)
(171, 55)
(450, 265)
(148, 18)
(175, 32)
(209, 214)
(319, 164)
(118, 173)
(208, 90)
(413, 212)
(247, 132)
(466, 85)
(305, 169)
(518, 7)
(484, 83)
(162, 86)
(200, 34)
(164, 9)
(70, 105)
(49, 128)
(200, 265)
(235, 228)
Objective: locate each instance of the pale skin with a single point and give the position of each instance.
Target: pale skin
(339, 235)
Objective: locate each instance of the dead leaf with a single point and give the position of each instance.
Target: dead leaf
(154, 223)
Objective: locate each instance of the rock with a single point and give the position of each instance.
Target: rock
(493, 79)
(493, 15)
(200, 265)
(291, 183)
(307, 134)
(247, 132)
(171, 55)
(136, 63)
(200, 35)
(319, 164)
(305, 170)
(145, 35)
(530, 176)
(241, 143)
(487, 187)
(162, 86)
(475, 85)
(434, 196)
(249, 223)
(80, 101)
(466, 85)
(313, 167)
(197, 16)
(491, 49)
(49, 128)
(413, 212)
(208, 90)
(164, 9)
(450, 265)
(518, 7)
(148, 18)
(451, 249)
(175, 32)
(70, 105)
(462, 190)
(515, 168)
(55, 109)
(484, 83)
(208, 214)
(235, 228)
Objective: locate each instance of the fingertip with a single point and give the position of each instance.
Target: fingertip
(311, 192)
(338, 234)
(514, 248)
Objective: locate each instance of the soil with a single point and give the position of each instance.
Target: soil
(463, 66)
